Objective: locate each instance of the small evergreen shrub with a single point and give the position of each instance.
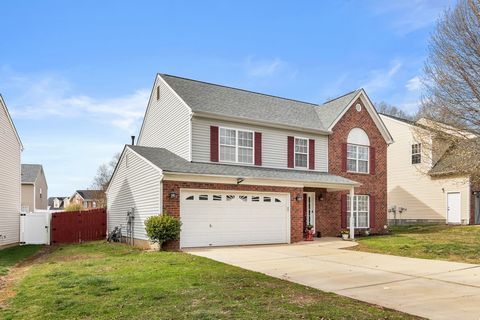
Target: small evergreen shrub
(163, 228)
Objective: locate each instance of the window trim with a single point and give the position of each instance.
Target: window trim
(356, 213)
(419, 153)
(236, 145)
(357, 159)
(295, 152)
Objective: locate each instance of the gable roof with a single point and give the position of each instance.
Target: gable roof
(170, 162)
(89, 194)
(210, 99)
(4, 105)
(30, 172)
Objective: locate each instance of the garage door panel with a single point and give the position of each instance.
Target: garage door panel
(219, 218)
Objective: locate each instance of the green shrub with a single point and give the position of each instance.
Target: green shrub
(163, 228)
(74, 207)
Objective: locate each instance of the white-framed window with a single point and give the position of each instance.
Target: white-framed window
(361, 211)
(85, 204)
(416, 153)
(40, 192)
(301, 152)
(56, 203)
(94, 204)
(358, 151)
(25, 209)
(236, 145)
(357, 158)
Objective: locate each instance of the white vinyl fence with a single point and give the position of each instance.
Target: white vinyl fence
(35, 227)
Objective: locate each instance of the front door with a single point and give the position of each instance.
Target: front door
(454, 208)
(309, 210)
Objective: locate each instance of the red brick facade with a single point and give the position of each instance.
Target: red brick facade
(327, 204)
(372, 184)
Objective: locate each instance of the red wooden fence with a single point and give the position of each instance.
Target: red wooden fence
(78, 226)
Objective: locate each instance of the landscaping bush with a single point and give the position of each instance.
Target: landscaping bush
(74, 207)
(163, 228)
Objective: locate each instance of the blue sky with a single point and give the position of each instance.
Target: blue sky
(76, 75)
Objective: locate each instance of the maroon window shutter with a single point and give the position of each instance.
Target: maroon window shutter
(258, 148)
(344, 157)
(311, 155)
(344, 211)
(214, 144)
(372, 160)
(291, 152)
(372, 211)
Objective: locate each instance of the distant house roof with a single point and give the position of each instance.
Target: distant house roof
(51, 202)
(170, 162)
(89, 194)
(217, 99)
(459, 159)
(30, 172)
(410, 122)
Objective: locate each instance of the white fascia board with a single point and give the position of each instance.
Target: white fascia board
(255, 181)
(373, 113)
(4, 105)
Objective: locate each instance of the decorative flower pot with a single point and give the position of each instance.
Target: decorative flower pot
(345, 236)
(310, 234)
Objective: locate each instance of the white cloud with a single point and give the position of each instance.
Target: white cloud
(381, 79)
(412, 15)
(414, 84)
(263, 68)
(43, 96)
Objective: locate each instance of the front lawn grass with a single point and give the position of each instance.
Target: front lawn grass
(443, 242)
(112, 281)
(13, 255)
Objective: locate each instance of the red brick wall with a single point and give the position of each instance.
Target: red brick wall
(173, 205)
(329, 218)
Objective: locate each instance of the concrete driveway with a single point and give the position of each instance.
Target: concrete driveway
(428, 288)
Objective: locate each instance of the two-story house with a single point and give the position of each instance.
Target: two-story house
(34, 188)
(425, 179)
(240, 167)
(10, 152)
(88, 199)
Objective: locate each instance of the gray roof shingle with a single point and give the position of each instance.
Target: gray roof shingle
(30, 172)
(170, 162)
(90, 194)
(221, 100)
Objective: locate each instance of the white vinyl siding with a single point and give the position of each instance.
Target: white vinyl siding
(10, 173)
(136, 187)
(167, 122)
(274, 143)
(409, 186)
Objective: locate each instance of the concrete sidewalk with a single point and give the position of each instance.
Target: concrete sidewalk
(428, 288)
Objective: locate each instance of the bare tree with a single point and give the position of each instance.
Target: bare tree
(102, 179)
(451, 100)
(104, 173)
(392, 110)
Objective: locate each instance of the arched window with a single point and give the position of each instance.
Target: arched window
(358, 151)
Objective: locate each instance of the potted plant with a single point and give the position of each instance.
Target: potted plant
(344, 233)
(367, 232)
(309, 232)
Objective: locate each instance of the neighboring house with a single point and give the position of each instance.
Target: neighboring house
(34, 188)
(425, 180)
(10, 151)
(89, 199)
(57, 203)
(240, 167)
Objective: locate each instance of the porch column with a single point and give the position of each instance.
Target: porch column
(352, 218)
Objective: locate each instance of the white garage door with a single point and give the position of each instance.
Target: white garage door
(222, 218)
